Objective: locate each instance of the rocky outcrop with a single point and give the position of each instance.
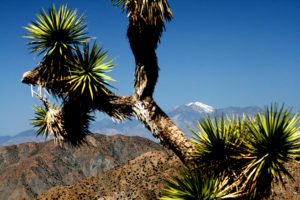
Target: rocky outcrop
(28, 169)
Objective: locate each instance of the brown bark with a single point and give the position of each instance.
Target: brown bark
(154, 119)
(143, 42)
(163, 128)
(143, 39)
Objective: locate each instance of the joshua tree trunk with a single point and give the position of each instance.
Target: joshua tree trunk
(143, 39)
(143, 42)
(162, 127)
(154, 119)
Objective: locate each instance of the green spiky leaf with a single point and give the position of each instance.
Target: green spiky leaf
(274, 140)
(220, 144)
(56, 31)
(191, 184)
(88, 71)
(47, 120)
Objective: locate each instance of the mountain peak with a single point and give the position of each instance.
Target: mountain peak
(201, 106)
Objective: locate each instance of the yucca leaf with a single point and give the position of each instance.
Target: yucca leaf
(274, 140)
(220, 145)
(87, 71)
(62, 25)
(47, 120)
(191, 184)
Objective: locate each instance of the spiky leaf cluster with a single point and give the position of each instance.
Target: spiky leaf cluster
(221, 143)
(54, 35)
(152, 12)
(250, 154)
(48, 121)
(56, 31)
(58, 34)
(192, 184)
(146, 20)
(274, 140)
(75, 76)
(88, 71)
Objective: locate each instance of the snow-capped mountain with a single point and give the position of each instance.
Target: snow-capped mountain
(185, 117)
(200, 107)
(195, 107)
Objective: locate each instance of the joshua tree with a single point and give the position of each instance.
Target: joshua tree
(242, 158)
(79, 80)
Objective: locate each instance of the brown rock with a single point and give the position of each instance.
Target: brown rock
(28, 169)
(142, 178)
(291, 191)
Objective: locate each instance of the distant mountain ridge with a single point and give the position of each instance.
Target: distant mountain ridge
(24, 136)
(185, 116)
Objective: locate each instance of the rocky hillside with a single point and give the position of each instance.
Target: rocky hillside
(28, 169)
(142, 178)
(292, 188)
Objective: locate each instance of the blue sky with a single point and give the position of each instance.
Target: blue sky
(219, 52)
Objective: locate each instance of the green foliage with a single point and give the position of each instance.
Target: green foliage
(146, 21)
(55, 34)
(48, 120)
(88, 71)
(220, 145)
(250, 155)
(152, 12)
(56, 31)
(118, 2)
(58, 35)
(192, 184)
(75, 76)
(274, 140)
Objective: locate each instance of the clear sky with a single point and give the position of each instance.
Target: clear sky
(219, 52)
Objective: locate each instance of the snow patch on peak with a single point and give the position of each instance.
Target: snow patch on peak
(201, 107)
